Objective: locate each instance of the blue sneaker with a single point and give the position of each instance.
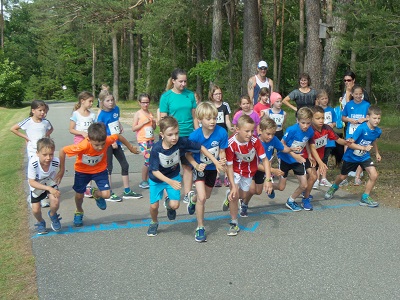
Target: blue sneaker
(41, 227)
(272, 195)
(243, 209)
(78, 219)
(293, 206)
(171, 213)
(152, 231)
(368, 201)
(101, 203)
(191, 207)
(200, 235)
(306, 204)
(311, 197)
(55, 221)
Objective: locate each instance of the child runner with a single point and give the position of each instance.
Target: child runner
(43, 180)
(263, 101)
(80, 121)
(296, 135)
(270, 142)
(242, 156)
(164, 169)
(246, 109)
(109, 115)
(215, 139)
(36, 126)
(223, 120)
(276, 113)
(366, 136)
(91, 164)
(355, 113)
(144, 125)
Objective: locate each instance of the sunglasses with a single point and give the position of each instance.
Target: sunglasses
(263, 68)
(347, 80)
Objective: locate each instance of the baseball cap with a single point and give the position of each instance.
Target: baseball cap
(262, 64)
(274, 96)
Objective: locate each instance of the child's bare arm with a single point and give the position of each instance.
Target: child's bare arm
(37, 185)
(133, 149)
(176, 185)
(192, 161)
(15, 130)
(375, 145)
(212, 158)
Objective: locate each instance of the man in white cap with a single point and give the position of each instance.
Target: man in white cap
(259, 81)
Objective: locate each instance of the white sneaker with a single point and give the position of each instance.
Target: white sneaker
(315, 185)
(352, 174)
(44, 203)
(325, 182)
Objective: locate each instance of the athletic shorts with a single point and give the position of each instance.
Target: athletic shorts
(243, 182)
(38, 199)
(259, 177)
(308, 164)
(298, 168)
(352, 166)
(81, 180)
(208, 176)
(157, 190)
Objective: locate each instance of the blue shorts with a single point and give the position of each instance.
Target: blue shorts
(81, 180)
(157, 190)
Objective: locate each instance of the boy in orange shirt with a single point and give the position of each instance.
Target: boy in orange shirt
(91, 164)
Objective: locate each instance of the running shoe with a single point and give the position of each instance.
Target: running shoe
(329, 194)
(293, 206)
(218, 182)
(152, 231)
(243, 209)
(272, 195)
(233, 229)
(131, 195)
(367, 201)
(226, 182)
(325, 182)
(144, 184)
(305, 203)
(225, 204)
(171, 213)
(41, 227)
(114, 198)
(357, 181)
(188, 197)
(200, 235)
(191, 207)
(78, 219)
(88, 192)
(316, 185)
(55, 221)
(344, 183)
(101, 203)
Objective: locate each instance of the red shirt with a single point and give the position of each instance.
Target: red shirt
(244, 156)
(260, 106)
(320, 139)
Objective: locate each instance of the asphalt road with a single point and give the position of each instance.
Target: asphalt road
(338, 251)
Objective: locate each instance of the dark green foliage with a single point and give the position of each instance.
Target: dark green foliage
(11, 88)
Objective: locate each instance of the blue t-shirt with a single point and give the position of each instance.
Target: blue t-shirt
(354, 111)
(363, 136)
(217, 140)
(295, 137)
(111, 120)
(330, 117)
(167, 160)
(273, 144)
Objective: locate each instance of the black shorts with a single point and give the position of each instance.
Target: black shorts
(184, 161)
(40, 198)
(327, 153)
(352, 166)
(298, 168)
(308, 164)
(279, 134)
(259, 177)
(208, 176)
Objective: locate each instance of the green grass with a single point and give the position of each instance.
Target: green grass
(17, 264)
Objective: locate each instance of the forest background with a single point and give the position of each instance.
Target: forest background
(133, 45)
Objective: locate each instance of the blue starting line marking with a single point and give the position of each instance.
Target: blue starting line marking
(145, 222)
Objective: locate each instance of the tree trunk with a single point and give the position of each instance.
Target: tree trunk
(115, 64)
(301, 38)
(231, 15)
(2, 23)
(276, 85)
(131, 66)
(274, 45)
(331, 51)
(148, 67)
(251, 41)
(139, 57)
(314, 47)
(94, 59)
(216, 44)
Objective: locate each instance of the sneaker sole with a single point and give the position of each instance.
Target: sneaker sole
(131, 197)
(143, 187)
(368, 205)
(232, 233)
(151, 234)
(244, 216)
(52, 227)
(200, 241)
(41, 233)
(307, 209)
(292, 209)
(113, 200)
(328, 197)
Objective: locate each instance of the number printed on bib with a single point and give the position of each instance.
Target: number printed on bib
(321, 142)
(278, 119)
(214, 151)
(353, 128)
(220, 117)
(148, 132)
(91, 160)
(168, 161)
(298, 144)
(328, 117)
(248, 157)
(114, 127)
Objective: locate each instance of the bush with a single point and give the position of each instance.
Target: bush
(11, 87)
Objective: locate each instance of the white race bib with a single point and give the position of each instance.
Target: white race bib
(248, 157)
(220, 117)
(298, 144)
(91, 160)
(168, 161)
(353, 128)
(359, 152)
(278, 119)
(148, 132)
(114, 127)
(321, 142)
(328, 117)
(214, 151)
(46, 181)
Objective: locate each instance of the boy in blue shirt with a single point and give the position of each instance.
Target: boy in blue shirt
(365, 135)
(215, 139)
(296, 135)
(164, 169)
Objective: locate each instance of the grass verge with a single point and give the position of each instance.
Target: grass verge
(17, 264)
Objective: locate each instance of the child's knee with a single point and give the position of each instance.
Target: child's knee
(174, 204)
(154, 206)
(105, 194)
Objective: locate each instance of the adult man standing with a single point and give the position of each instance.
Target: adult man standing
(259, 81)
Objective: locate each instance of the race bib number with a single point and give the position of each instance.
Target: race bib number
(214, 151)
(114, 127)
(168, 161)
(278, 119)
(359, 152)
(148, 132)
(298, 144)
(328, 117)
(83, 125)
(248, 157)
(45, 181)
(321, 142)
(91, 160)
(353, 128)
(220, 117)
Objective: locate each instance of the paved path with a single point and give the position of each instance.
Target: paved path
(338, 251)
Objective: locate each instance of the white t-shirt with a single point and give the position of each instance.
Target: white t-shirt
(35, 131)
(36, 172)
(82, 124)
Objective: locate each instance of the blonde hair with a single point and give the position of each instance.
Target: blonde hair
(243, 120)
(105, 97)
(267, 123)
(304, 113)
(206, 109)
(168, 122)
(82, 96)
(45, 142)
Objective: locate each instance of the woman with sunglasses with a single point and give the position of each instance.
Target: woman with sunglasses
(349, 82)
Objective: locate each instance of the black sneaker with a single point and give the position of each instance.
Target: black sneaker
(171, 214)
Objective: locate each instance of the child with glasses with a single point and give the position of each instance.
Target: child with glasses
(144, 125)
